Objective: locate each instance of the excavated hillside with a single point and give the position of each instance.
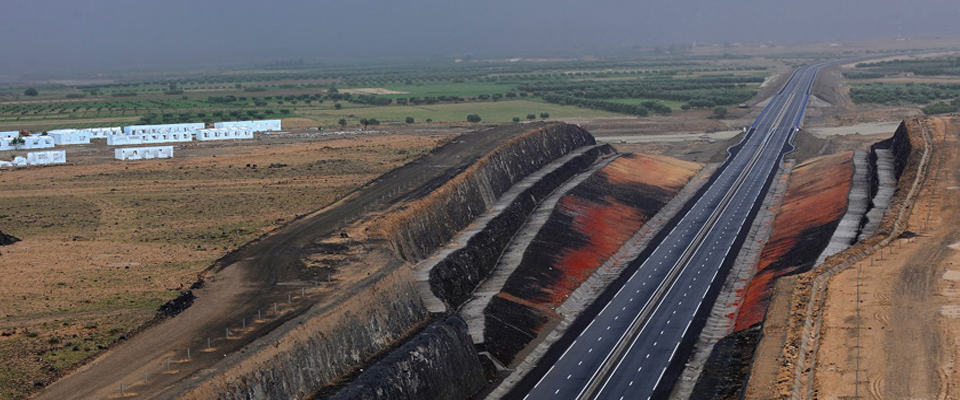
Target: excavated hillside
(815, 201)
(798, 235)
(774, 324)
(589, 224)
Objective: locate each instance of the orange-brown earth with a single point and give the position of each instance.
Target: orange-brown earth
(106, 242)
(815, 200)
(589, 225)
(907, 324)
(811, 209)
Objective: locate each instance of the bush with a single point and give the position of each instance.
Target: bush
(939, 108)
(409, 120)
(473, 118)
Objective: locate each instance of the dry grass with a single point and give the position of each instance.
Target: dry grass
(105, 243)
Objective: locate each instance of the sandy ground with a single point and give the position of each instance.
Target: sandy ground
(903, 341)
(106, 242)
(679, 137)
(870, 128)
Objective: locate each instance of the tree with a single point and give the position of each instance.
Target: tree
(516, 119)
(473, 118)
(544, 115)
(337, 106)
(343, 123)
(30, 92)
(364, 122)
(373, 121)
(719, 112)
(531, 116)
(409, 120)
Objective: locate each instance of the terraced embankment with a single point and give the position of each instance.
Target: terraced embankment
(417, 229)
(332, 344)
(308, 306)
(813, 205)
(590, 223)
(816, 199)
(790, 327)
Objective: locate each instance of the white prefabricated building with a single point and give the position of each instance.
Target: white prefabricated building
(92, 132)
(257, 126)
(70, 136)
(143, 153)
(149, 138)
(29, 142)
(46, 157)
(224, 134)
(165, 128)
(37, 158)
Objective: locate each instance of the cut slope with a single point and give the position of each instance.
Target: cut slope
(420, 228)
(589, 225)
(815, 201)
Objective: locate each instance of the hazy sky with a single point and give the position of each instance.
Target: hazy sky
(120, 33)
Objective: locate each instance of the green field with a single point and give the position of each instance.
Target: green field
(499, 111)
(441, 91)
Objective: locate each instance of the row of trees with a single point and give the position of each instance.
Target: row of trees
(699, 92)
(934, 66)
(639, 110)
(880, 93)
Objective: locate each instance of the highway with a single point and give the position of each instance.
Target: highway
(636, 345)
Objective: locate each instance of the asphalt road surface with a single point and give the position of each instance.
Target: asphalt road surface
(630, 349)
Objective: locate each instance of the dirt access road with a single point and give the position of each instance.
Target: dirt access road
(259, 287)
(908, 322)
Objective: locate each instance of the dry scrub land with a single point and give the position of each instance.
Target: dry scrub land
(908, 320)
(105, 243)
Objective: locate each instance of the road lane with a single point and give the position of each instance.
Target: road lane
(626, 350)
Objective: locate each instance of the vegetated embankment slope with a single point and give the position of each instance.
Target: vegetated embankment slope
(815, 201)
(424, 225)
(589, 225)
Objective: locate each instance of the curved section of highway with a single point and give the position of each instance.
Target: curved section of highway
(628, 349)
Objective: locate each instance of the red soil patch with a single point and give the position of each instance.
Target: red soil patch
(607, 225)
(815, 201)
(589, 225)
